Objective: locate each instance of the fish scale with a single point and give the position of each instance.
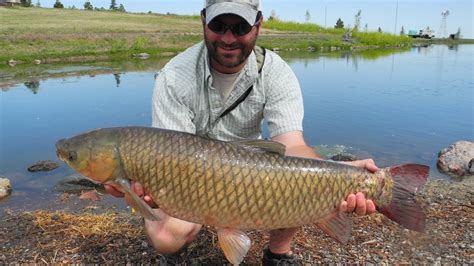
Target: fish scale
(279, 191)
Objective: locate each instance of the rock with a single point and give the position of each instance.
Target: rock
(335, 152)
(37, 62)
(76, 185)
(141, 56)
(347, 37)
(5, 187)
(12, 62)
(471, 167)
(344, 156)
(456, 160)
(276, 49)
(311, 49)
(43, 166)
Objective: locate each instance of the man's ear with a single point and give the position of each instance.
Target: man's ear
(203, 17)
(260, 22)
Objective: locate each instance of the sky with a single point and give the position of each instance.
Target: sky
(412, 14)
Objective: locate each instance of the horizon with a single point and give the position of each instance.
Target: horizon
(412, 15)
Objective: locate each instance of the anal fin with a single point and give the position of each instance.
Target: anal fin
(337, 225)
(234, 243)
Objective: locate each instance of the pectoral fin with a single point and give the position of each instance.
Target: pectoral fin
(136, 202)
(258, 145)
(234, 243)
(338, 225)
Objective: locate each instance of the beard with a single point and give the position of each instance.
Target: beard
(229, 61)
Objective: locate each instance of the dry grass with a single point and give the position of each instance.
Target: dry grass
(46, 34)
(27, 34)
(83, 237)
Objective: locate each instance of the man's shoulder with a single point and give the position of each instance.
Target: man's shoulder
(274, 63)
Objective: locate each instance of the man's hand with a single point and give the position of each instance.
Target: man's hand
(357, 203)
(136, 187)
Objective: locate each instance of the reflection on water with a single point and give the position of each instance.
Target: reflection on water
(396, 107)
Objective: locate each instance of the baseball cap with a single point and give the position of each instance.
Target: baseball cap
(247, 9)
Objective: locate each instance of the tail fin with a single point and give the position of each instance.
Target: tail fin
(403, 208)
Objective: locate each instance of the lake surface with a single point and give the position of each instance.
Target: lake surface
(395, 107)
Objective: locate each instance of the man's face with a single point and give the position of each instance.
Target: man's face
(228, 52)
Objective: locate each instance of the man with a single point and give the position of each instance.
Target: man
(218, 89)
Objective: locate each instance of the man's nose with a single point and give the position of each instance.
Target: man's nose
(228, 37)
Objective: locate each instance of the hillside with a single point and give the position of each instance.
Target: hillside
(65, 35)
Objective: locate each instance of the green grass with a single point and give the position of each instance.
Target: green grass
(381, 39)
(62, 35)
(300, 27)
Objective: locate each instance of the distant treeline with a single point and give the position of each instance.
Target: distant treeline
(87, 5)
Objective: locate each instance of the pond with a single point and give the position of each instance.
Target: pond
(393, 106)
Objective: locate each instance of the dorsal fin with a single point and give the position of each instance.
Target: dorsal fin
(258, 145)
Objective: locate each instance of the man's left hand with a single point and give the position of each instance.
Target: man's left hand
(357, 202)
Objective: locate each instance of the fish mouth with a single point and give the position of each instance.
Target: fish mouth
(60, 148)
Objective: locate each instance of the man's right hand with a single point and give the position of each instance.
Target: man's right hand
(136, 187)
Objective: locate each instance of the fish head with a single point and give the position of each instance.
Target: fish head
(93, 154)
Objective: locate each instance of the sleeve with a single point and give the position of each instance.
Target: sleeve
(284, 103)
(169, 109)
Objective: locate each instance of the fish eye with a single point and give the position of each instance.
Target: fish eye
(72, 156)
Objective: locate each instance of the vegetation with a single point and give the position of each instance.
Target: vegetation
(88, 6)
(339, 24)
(380, 39)
(26, 3)
(72, 35)
(113, 5)
(357, 18)
(402, 31)
(58, 4)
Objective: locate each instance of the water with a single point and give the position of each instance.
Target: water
(394, 107)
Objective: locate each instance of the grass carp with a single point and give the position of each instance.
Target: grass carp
(239, 185)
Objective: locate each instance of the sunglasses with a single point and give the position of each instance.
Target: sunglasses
(239, 29)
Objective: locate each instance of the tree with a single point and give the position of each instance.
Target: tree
(26, 3)
(379, 30)
(33, 86)
(113, 5)
(88, 6)
(273, 15)
(38, 4)
(121, 8)
(339, 24)
(366, 27)
(357, 20)
(117, 79)
(402, 32)
(307, 16)
(457, 36)
(58, 4)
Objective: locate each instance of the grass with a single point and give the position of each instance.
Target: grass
(38, 33)
(65, 35)
(381, 39)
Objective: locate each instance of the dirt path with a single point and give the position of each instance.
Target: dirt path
(91, 236)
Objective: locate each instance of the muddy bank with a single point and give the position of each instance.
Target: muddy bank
(93, 235)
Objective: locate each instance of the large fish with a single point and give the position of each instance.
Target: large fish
(239, 185)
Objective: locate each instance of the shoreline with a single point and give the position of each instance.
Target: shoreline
(158, 53)
(39, 35)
